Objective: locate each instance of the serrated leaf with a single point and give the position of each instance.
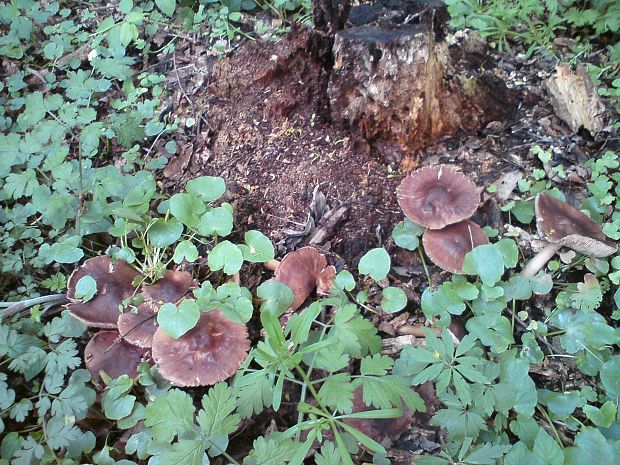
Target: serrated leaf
(216, 419)
(170, 414)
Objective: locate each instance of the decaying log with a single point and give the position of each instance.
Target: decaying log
(575, 99)
(402, 87)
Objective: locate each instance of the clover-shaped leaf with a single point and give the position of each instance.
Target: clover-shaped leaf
(225, 256)
(175, 320)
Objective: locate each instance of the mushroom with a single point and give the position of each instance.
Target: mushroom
(108, 352)
(304, 270)
(447, 247)
(436, 196)
(565, 226)
(138, 327)
(210, 352)
(114, 284)
(170, 288)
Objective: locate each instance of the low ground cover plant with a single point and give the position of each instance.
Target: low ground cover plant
(82, 137)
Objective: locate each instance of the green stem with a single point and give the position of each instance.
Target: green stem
(550, 422)
(428, 275)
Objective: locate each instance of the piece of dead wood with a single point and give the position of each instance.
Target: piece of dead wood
(327, 227)
(393, 345)
(575, 99)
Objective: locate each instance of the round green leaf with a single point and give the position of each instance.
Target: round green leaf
(163, 232)
(85, 288)
(258, 248)
(176, 321)
(185, 250)
(278, 297)
(216, 222)
(225, 256)
(125, 6)
(405, 234)
(187, 209)
(485, 261)
(376, 263)
(394, 299)
(208, 188)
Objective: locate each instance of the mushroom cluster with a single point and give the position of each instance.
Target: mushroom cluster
(208, 353)
(564, 226)
(442, 199)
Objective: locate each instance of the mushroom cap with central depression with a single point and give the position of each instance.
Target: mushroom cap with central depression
(562, 224)
(208, 353)
(436, 196)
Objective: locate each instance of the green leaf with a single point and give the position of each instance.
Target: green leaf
(187, 209)
(394, 299)
(116, 404)
(269, 451)
(590, 447)
(329, 455)
(405, 234)
(207, 188)
(277, 297)
(185, 250)
(217, 222)
(167, 7)
(610, 376)
(184, 452)
(125, 6)
(337, 392)
(602, 417)
(547, 449)
(258, 248)
(163, 232)
(86, 288)
(66, 251)
(216, 419)
(485, 261)
(175, 321)
(170, 414)
(376, 263)
(225, 256)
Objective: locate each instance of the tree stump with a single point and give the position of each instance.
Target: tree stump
(399, 88)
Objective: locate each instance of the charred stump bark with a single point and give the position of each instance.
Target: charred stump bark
(330, 16)
(401, 87)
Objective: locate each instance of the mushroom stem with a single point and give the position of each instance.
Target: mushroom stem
(536, 263)
(271, 264)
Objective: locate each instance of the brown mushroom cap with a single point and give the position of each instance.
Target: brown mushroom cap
(106, 351)
(563, 224)
(325, 280)
(210, 352)
(114, 283)
(138, 328)
(300, 270)
(436, 196)
(377, 428)
(170, 288)
(447, 247)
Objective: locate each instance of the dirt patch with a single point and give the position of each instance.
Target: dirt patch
(269, 136)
